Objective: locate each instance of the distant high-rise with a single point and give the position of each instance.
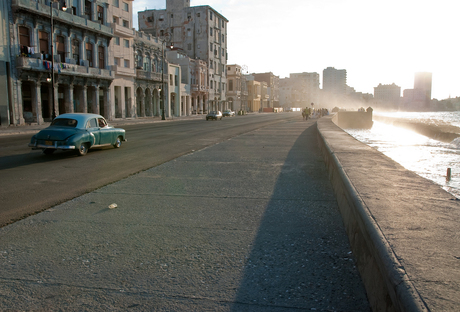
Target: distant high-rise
(422, 81)
(335, 81)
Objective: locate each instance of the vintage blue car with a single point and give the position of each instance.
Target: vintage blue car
(78, 132)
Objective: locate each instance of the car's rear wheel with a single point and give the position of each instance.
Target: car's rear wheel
(48, 151)
(117, 143)
(82, 149)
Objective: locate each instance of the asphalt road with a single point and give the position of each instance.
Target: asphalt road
(31, 182)
(250, 223)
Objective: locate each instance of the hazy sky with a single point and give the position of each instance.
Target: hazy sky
(376, 41)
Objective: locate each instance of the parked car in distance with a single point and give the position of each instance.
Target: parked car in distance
(78, 132)
(214, 115)
(228, 113)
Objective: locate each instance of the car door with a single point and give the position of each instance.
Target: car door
(106, 133)
(94, 130)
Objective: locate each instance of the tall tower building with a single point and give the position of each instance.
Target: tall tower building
(199, 31)
(422, 81)
(335, 81)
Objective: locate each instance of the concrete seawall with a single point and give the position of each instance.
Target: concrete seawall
(402, 228)
(440, 132)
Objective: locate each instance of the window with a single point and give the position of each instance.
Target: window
(172, 16)
(76, 50)
(100, 14)
(116, 61)
(210, 31)
(176, 80)
(127, 63)
(115, 20)
(189, 32)
(43, 41)
(117, 40)
(230, 85)
(101, 56)
(223, 24)
(116, 3)
(125, 7)
(92, 123)
(189, 46)
(60, 47)
(210, 15)
(88, 9)
(171, 80)
(210, 47)
(126, 43)
(24, 38)
(223, 38)
(161, 17)
(211, 84)
(89, 53)
(198, 14)
(126, 23)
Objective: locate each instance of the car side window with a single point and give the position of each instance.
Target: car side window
(102, 122)
(92, 123)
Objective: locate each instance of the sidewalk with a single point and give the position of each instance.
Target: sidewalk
(119, 122)
(249, 224)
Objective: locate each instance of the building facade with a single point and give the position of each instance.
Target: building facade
(78, 77)
(5, 15)
(199, 31)
(387, 96)
(272, 82)
(299, 90)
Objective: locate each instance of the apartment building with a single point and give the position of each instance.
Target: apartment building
(78, 77)
(193, 80)
(254, 98)
(387, 96)
(272, 82)
(151, 75)
(300, 90)
(237, 92)
(199, 31)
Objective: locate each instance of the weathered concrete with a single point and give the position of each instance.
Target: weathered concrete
(403, 228)
(354, 119)
(249, 224)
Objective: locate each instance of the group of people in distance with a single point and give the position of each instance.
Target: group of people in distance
(314, 113)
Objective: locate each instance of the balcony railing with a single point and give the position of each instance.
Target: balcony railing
(123, 71)
(123, 31)
(64, 17)
(34, 64)
(198, 88)
(142, 74)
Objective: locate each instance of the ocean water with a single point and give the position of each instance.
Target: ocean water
(426, 157)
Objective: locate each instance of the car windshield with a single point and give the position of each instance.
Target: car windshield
(213, 112)
(64, 122)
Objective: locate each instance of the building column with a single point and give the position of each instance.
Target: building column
(108, 104)
(38, 102)
(69, 99)
(95, 106)
(20, 104)
(84, 99)
(142, 103)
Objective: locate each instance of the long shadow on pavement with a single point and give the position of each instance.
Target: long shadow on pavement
(301, 258)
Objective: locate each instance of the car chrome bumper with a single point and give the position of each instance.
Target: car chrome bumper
(55, 146)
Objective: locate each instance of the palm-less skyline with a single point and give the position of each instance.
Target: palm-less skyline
(375, 41)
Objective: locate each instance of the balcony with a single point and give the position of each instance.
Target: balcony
(61, 16)
(142, 74)
(34, 64)
(123, 31)
(198, 88)
(123, 71)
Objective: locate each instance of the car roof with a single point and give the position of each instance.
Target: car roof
(81, 118)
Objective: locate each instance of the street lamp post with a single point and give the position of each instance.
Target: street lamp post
(52, 55)
(163, 42)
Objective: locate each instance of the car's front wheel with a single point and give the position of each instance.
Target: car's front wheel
(117, 143)
(82, 149)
